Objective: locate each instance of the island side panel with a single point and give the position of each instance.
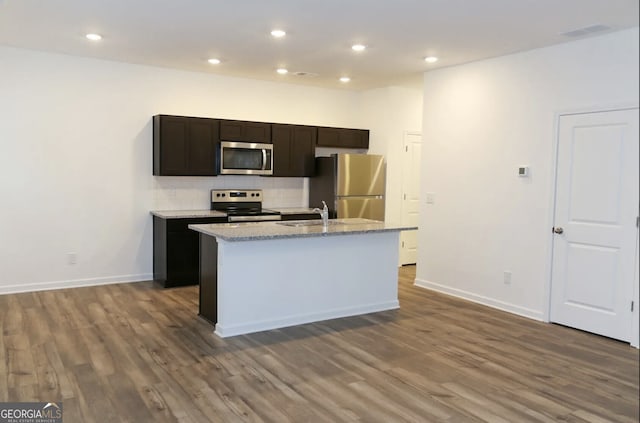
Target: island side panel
(208, 278)
(159, 249)
(268, 284)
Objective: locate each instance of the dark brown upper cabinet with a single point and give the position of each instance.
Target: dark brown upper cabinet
(294, 149)
(239, 130)
(184, 146)
(343, 137)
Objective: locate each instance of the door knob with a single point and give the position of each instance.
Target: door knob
(558, 230)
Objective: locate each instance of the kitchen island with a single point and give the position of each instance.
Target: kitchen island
(266, 275)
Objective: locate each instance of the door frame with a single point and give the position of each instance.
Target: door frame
(405, 133)
(635, 336)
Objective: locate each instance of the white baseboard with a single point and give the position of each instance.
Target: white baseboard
(490, 302)
(75, 283)
(240, 329)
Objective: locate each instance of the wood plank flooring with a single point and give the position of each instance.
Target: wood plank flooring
(137, 353)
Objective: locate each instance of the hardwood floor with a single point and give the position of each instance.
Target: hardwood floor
(136, 353)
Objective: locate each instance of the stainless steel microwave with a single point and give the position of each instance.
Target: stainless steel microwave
(245, 158)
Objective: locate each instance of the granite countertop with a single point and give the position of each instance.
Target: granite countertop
(184, 214)
(254, 231)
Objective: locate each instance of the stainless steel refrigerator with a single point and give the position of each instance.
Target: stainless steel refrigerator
(352, 185)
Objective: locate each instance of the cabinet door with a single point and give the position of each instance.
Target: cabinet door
(293, 150)
(184, 146)
(329, 137)
(176, 250)
(170, 145)
(360, 138)
(202, 146)
(183, 258)
(303, 150)
(238, 130)
(343, 138)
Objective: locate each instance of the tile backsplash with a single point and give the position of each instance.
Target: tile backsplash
(192, 193)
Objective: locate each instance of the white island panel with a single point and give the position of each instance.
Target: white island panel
(268, 284)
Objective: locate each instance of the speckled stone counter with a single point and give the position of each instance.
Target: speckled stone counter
(255, 231)
(289, 273)
(185, 214)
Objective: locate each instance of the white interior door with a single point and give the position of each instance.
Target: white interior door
(595, 232)
(410, 196)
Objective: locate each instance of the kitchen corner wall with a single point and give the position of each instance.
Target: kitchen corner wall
(483, 120)
(390, 112)
(76, 160)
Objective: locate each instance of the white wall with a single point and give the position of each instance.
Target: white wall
(481, 121)
(76, 163)
(388, 113)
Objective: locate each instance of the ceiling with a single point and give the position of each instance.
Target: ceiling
(183, 34)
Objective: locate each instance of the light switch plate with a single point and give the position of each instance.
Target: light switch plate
(431, 198)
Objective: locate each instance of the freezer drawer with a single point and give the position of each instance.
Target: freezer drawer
(363, 207)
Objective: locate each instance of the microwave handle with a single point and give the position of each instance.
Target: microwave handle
(264, 159)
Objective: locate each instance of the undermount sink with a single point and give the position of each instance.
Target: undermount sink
(309, 223)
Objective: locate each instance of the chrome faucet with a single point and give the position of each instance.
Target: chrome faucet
(324, 214)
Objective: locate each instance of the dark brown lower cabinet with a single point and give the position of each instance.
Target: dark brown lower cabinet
(176, 250)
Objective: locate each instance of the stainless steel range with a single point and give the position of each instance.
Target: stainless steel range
(242, 205)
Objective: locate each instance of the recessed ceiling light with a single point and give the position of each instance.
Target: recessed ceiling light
(94, 37)
(345, 79)
(431, 59)
(278, 33)
(358, 47)
(282, 71)
(214, 61)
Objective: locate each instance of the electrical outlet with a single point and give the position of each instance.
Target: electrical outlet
(507, 277)
(72, 258)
